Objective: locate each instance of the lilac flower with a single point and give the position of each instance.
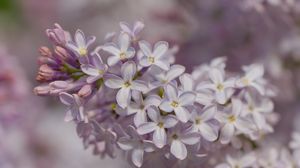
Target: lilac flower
(222, 88)
(179, 138)
(163, 78)
(187, 82)
(75, 105)
(125, 84)
(295, 143)
(140, 106)
(136, 145)
(201, 123)
(80, 47)
(252, 78)
(119, 52)
(241, 162)
(158, 125)
(154, 57)
(177, 102)
(133, 32)
(232, 122)
(95, 71)
(58, 35)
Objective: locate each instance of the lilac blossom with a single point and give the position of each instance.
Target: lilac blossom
(135, 31)
(75, 105)
(95, 71)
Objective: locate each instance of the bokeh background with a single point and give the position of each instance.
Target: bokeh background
(246, 31)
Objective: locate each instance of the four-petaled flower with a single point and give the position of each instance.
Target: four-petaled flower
(125, 84)
(158, 125)
(154, 57)
(75, 105)
(95, 70)
(134, 31)
(120, 52)
(177, 102)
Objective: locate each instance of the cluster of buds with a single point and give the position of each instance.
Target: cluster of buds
(129, 94)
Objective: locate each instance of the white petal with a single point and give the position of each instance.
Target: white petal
(124, 41)
(259, 120)
(171, 92)
(170, 121)
(128, 70)
(187, 98)
(152, 100)
(190, 138)
(144, 61)
(160, 49)
(243, 125)
(187, 82)
(258, 87)
(125, 27)
(140, 118)
(174, 72)
(92, 79)
(111, 48)
(182, 114)
(138, 27)
(123, 97)
(208, 132)
(160, 137)
(146, 128)
(66, 98)
(248, 160)
(178, 149)
(221, 97)
(256, 71)
(216, 76)
(137, 157)
(237, 107)
(145, 47)
(113, 60)
(68, 116)
(125, 144)
(97, 60)
(226, 133)
(139, 85)
(209, 113)
(80, 39)
(153, 114)
(113, 81)
(166, 106)
(162, 64)
(130, 52)
(90, 70)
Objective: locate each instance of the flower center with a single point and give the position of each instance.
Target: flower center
(122, 55)
(160, 124)
(82, 51)
(245, 81)
(174, 104)
(198, 121)
(151, 59)
(101, 72)
(220, 87)
(231, 118)
(175, 136)
(251, 108)
(127, 84)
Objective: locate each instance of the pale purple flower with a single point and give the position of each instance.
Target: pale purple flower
(177, 102)
(157, 126)
(125, 84)
(75, 105)
(202, 123)
(134, 31)
(120, 52)
(165, 77)
(95, 70)
(154, 57)
(252, 78)
(295, 143)
(139, 107)
(187, 82)
(81, 44)
(136, 145)
(179, 138)
(221, 87)
(233, 122)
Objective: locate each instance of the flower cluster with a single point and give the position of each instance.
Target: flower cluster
(129, 94)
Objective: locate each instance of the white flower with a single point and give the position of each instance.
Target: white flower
(158, 125)
(258, 110)
(179, 138)
(177, 102)
(125, 84)
(245, 161)
(252, 78)
(80, 47)
(295, 143)
(201, 123)
(134, 31)
(232, 122)
(119, 52)
(95, 70)
(136, 145)
(154, 57)
(223, 89)
(165, 77)
(187, 82)
(201, 71)
(140, 106)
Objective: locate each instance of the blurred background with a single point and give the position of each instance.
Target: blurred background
(246, 31)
